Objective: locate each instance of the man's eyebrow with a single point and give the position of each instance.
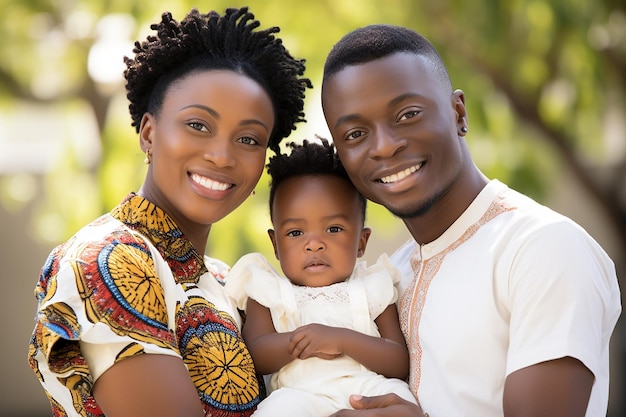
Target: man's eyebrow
(393, 102)
(403, 97)
(346, 118)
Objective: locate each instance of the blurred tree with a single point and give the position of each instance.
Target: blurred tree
(545, 85)
(533, 71)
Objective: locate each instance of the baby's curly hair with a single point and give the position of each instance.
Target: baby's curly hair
(213, 41)
(307, 159)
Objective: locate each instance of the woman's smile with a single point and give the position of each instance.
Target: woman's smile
(210, 184)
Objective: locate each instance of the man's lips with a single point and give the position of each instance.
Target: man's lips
(400, 175)
(209, 183)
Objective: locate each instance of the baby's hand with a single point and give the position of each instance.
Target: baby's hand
(316, 340)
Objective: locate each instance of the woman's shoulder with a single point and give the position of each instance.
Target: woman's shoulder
(100, 234)
(105, 274)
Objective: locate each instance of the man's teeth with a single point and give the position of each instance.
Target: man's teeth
(209, 183)
(400, 175)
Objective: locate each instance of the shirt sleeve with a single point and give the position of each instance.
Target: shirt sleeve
(102, 296)
(563, 297)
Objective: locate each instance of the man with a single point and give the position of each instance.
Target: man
(507, 306)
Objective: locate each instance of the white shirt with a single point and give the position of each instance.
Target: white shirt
(510, 284)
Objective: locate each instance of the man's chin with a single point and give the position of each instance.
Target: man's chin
(407, 212)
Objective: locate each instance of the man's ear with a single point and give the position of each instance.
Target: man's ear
(146, 129)
(272, 236)
(365, 235)
(458, 103)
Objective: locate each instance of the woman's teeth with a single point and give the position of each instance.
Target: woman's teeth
(209, 183)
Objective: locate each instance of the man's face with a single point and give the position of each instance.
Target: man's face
(395, 124)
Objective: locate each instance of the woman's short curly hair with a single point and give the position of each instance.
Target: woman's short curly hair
(213, 41)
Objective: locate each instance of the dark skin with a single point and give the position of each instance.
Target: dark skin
(320, 218)
(554, 388)
(137, 387)
(392, 115)
(212, 130)
(272, 350)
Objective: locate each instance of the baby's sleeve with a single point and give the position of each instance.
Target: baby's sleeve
(380, 280)
(252, 276)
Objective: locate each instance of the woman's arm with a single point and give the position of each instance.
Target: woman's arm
(146, 386)
(268, 348)
(386, 355)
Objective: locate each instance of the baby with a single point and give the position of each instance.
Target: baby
(329, 327)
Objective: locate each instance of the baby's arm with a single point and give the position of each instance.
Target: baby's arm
(268, 348)
(386, 355)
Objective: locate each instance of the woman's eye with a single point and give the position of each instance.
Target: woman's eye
(408, 115)
(246, 140)
(294, 233)
(334, 229)
(198, 126)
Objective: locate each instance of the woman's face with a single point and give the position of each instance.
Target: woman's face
(208, 145)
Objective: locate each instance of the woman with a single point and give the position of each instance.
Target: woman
(132, 318)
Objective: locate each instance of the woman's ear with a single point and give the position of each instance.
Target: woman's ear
(146, 128)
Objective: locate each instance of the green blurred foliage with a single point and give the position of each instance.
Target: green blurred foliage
(540, 79)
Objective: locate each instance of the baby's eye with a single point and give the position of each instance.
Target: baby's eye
(334, 229)
(246, 140)
(294, 233)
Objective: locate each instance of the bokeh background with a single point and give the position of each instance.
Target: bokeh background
(544, 80)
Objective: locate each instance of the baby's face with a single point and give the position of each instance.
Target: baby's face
(318, 229)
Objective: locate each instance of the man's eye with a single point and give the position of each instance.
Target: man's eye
(408, 115)
(354, 135)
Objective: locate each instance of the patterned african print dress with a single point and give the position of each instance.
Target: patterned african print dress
(111, 286)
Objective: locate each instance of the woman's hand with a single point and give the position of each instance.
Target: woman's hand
(388, 405)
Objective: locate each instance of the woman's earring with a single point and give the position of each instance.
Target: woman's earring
(464, 129)
(252, 193)
(148, 159)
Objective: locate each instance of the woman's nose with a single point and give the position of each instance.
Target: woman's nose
(219, 151)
